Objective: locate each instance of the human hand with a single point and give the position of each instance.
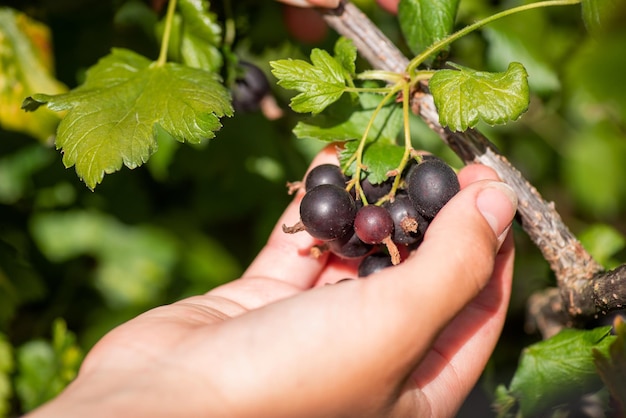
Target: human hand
(410, 340)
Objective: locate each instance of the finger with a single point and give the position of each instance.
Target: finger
(390, 5)
(287, 257)
(306, 25)
(312, 3)
(475, 172)
(461, 352)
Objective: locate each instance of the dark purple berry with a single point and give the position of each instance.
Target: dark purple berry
(349, 246)
(327, 212)
(324, 174)
(430, 185)
(373, 263)
(408, 225)
(373, 192)
(249, 88)
(373, 224)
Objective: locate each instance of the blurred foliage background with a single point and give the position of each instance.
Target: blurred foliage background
(75, 263)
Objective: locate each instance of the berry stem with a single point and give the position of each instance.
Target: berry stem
(358, 155)
(165, 41)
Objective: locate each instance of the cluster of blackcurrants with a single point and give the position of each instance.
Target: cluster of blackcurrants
(385, 228)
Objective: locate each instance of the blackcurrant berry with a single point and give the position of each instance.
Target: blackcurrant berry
(373, 224)
(327, 212)
(249, 88)
(324, 174)
(349, 246)
(373, 192)
(373, 263)
(408, 225)
(430, 185)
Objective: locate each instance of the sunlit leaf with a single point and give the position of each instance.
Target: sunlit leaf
(112, 117)
(465, 96)
(320, 83)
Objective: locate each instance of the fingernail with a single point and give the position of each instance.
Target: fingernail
(497, 202)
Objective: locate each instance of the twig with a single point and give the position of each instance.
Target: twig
(581, 280)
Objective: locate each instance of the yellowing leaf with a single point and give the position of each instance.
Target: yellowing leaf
(465, 96)
(112, 118)
(25, 68)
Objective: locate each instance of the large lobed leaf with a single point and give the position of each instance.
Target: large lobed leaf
(113, 117)
(465, 96)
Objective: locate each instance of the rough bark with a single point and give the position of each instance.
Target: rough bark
(584, 288)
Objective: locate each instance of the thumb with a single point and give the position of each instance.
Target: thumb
(453, 264)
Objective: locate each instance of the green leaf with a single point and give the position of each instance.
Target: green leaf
(112, 117)
(346, 122)
(320, 83)
(596, 13)
(345, 54)
(44, 368)
(559, 369)
(424, 22)
(465, 96)
(26, 67)
(612, 364)
(379, 158)
(200, 37)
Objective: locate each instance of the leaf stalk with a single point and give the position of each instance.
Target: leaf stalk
(165, 41)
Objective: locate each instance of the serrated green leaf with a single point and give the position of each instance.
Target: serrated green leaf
(345, 54)
(611, 365)
(559, 369)
(465, 96)
(379, 158)
(346, 122)
(111, 118)
(424, 22)
(201, 36)
(320, 83)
